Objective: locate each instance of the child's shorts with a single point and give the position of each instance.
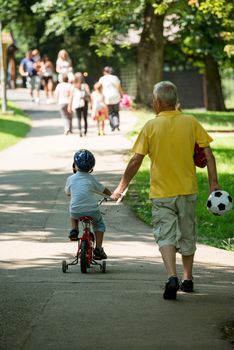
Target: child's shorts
(173, 221)
(98, 223)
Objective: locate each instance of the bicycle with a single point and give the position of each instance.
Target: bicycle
(85, 251)
(86, 243)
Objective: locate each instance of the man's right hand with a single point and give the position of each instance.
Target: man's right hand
(214, 187)
(116, 195)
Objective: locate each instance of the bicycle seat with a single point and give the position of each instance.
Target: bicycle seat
(86, 218)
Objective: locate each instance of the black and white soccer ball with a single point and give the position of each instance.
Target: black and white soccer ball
(219, 202)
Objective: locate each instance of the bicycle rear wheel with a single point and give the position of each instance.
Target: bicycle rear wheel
(83, 257)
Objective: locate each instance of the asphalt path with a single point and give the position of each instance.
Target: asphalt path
(44, 309)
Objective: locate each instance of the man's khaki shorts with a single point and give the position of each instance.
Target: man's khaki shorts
(173, 221)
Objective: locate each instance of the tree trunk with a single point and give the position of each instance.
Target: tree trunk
(214, 93)
(149, 55)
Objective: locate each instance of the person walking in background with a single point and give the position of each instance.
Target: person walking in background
(77, 104)
(38, 66)
(99, 108)
(112, 92)
(47, 78)
(62, 94)
(64, 66)
(28, 69)
(169, 140)
(86, 89)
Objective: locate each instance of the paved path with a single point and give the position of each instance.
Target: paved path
(43, 309)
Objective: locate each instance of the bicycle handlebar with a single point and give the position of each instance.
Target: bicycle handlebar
(106, 197)
(122, 196)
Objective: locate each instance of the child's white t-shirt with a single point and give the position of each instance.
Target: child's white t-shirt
(62, 92)
(80, 186)
(97, 103)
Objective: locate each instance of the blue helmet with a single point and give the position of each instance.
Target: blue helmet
(84, 160)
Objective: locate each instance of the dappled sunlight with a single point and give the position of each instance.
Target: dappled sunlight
(127, 248)
(26, 236)
(35, 253)
(18, 209)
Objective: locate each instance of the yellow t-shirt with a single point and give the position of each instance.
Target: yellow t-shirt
(169, 140)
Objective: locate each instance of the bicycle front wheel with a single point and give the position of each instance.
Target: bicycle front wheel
(83, 257)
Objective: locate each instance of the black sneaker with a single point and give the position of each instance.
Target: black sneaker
(187, 286)
(171, 288)
(99, 254)
(73, 235)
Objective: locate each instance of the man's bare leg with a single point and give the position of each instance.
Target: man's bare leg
(187, 283)
(169, 258)
(188, 266)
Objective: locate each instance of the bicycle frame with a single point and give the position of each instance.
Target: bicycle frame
(88, 237)
(87, 241)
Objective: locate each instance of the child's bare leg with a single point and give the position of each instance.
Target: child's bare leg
(98, 126)
(50, 88)
(74, 224)
(103, 125)
(105, 112)
(99, 252)
(99, 238)
(74, 232)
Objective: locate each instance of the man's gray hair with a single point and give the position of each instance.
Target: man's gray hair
(166, 92)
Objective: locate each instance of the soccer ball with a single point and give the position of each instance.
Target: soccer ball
(219, 202)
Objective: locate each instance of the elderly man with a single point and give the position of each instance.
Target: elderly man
(169, 140)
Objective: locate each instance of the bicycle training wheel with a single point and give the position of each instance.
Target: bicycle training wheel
(83, 257)
(64, 266)
(103, 268)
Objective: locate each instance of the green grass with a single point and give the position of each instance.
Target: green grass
(214, 120)
(213, 230)
(13, 127)
(210, 120)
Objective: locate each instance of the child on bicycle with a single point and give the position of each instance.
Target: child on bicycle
(81, 186)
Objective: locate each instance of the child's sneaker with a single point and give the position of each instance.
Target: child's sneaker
(73, 235)
(187, 286)
(99, 254)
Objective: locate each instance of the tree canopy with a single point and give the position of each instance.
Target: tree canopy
(92, 29)
(105, 20)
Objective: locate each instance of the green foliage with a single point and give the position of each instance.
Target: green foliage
(101, 17)
(6, 10)
(206, 28)
(162, 7)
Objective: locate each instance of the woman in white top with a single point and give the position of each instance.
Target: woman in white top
(64, 66)
(85, 87)
(77, 104)
(47, 78)
(62, 94)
